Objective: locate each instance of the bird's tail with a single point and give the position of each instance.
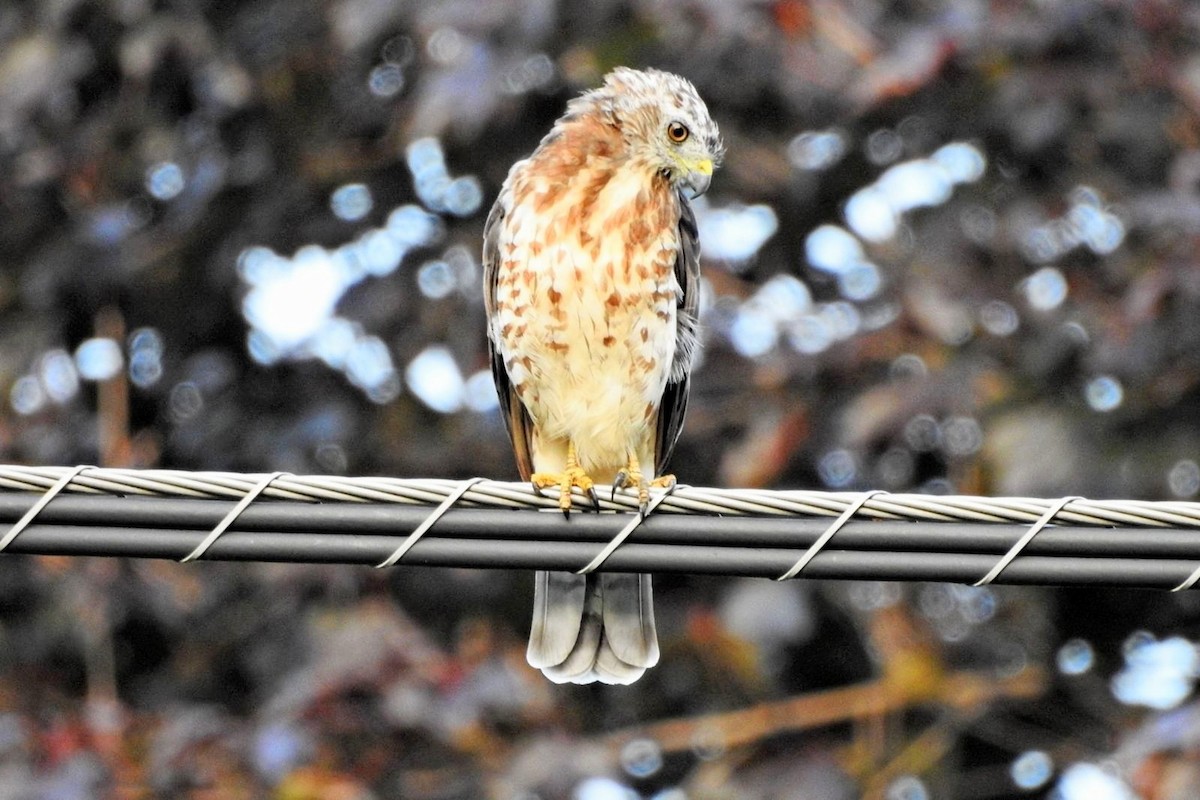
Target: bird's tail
(589, 628)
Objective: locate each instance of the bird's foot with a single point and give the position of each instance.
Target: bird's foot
(663, 482)
(572, 476)
(631, 477)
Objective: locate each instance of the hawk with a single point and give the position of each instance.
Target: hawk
(591, 287)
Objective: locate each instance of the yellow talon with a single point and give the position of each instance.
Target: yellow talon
(631, 477)
(572, 476)
(663, 482)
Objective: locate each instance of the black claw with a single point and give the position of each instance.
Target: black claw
(567, 514)
(595, 500)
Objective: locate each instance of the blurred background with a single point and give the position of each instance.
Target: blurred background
(951, 250)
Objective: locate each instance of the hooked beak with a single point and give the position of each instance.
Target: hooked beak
(698, 178)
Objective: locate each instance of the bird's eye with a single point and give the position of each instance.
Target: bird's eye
(677, 132)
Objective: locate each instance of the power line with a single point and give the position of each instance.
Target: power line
(167, 514)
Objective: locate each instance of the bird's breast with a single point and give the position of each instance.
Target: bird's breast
(586, 301)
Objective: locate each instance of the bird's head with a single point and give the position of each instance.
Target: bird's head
(665, 124)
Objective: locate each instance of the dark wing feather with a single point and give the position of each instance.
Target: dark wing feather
(675, 398)
(516, 419)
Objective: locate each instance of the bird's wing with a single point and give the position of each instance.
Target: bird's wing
(674, 401)
(516, 418)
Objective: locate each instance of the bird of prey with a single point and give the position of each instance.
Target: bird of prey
(591, 286)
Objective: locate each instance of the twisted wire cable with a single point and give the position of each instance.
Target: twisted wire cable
(684, 500)
(482, 523)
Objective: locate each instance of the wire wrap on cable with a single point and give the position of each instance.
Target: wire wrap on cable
(625, 532)
(1188, 582)
(824, 538)
(685, 500)
(1052, 512)
(42, 502)
(330, 519)
(421, 529)
(233, 514)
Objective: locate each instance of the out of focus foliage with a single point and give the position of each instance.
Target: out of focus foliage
(952, 249)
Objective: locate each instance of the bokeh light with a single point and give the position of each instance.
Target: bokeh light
(436, 280)
(906, 366)
(1104, 393)
(670, 793)
(535, 72)
(437, 190)
(27, 395)
(753, 333)
(833, 249)
(874, 595)
(603, 789)
(98, 359)
(778, 305)
(463, 196)
(923, 433)
(386, 80)
(368, 365)
(1031, 770)
(734, 233)
(869, 214)
(291, 303)
(434, 377)
(895, 468)
(810, 334)
(999, 318)
(907, 787)
(185, 401)
(296, 304)
(978, 224)
(914, 184)
(843, 318)
(883, 146)
(641, 758)
(165, 180)
(145, 357)
(446, 45)
(860, 282)
(59, 377)
(111, 224)
(963, 163)
(874, 212)
(351, 202)
(838, 469)
(961, 436)
(1085, 781)
(1087, 223)
(1157, 674)
(1184, 478)
(817, 150)
(1046, 289)
(479, 392)
(1075, 657)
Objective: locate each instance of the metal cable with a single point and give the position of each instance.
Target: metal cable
(282, 517)
(1025, 539)
(231, 517)
(63, 482)
(421, 529)
(685, 500)
(625, 532)
(824, 538)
